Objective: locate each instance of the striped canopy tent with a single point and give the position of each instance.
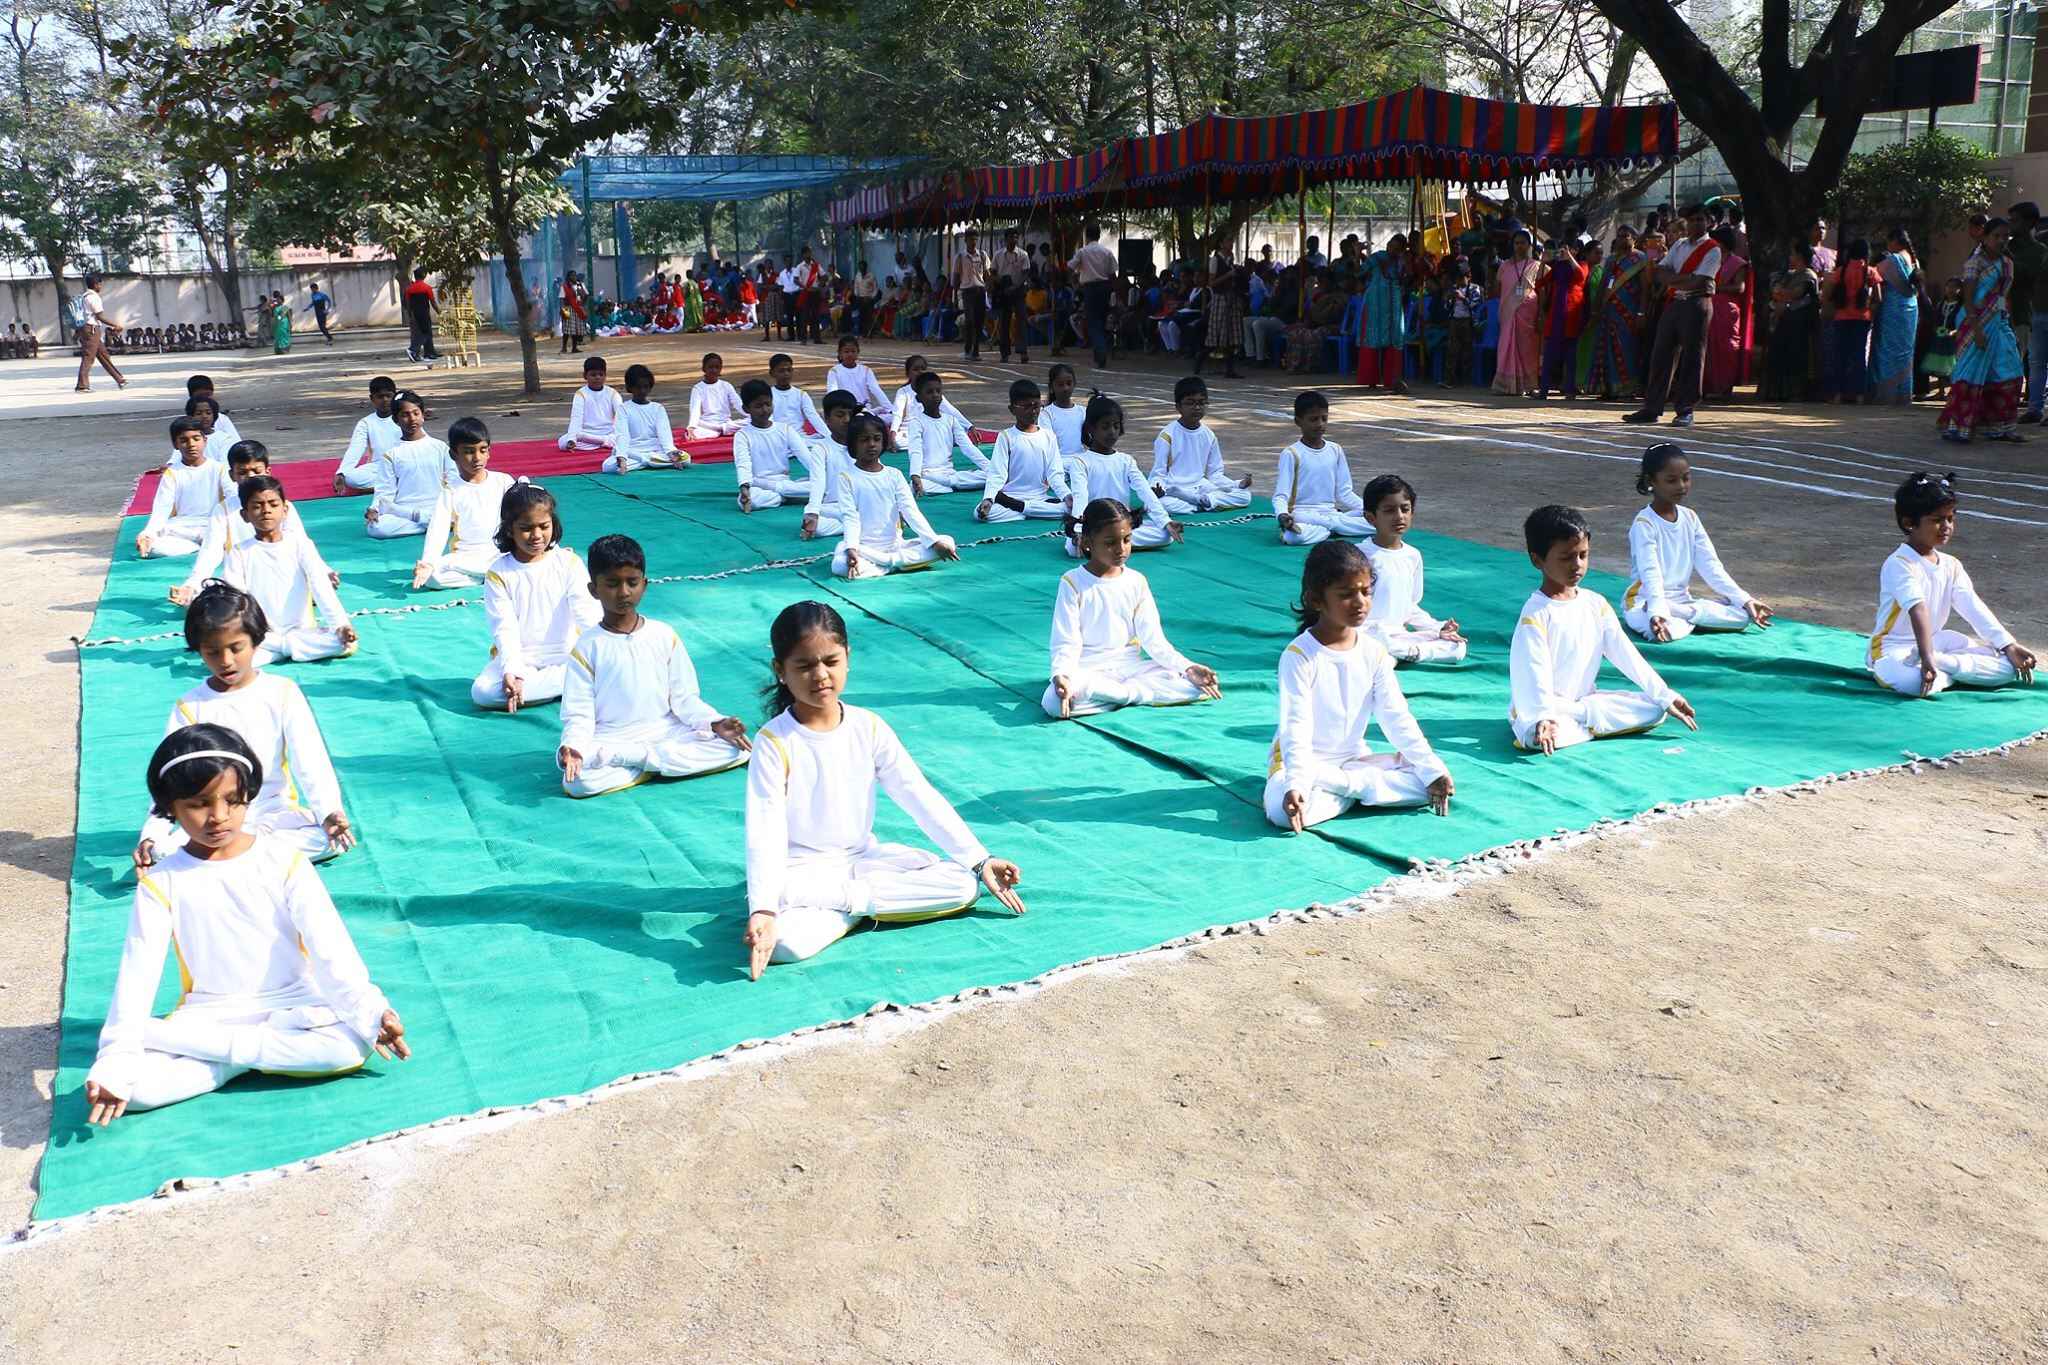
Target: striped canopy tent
(907, 204)
(1046, 184)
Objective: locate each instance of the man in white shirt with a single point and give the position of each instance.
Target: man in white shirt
(1678, 358)
(787, 283)
(1095, 268)
(968, 275)
(89, 319)
(1012, 270)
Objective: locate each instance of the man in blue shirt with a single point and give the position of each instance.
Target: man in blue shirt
(321, 304)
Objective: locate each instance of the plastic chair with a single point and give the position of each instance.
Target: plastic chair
(1346, 339)
(1486, 352)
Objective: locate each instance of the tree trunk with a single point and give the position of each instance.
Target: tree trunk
(705, 219)
(502, 222)
(53, 257)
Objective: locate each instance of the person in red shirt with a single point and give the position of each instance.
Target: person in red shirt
(575, 320)
(420, 307)
(1566, 285)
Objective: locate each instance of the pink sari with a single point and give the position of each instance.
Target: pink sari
(1520, 354)
(1728, 332)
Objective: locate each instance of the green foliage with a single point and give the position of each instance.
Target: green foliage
(1931, 184)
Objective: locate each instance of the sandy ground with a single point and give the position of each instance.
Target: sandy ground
(1760, 1085)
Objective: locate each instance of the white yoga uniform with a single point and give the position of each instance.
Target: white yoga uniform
(829, 463)
(1093, 474)
(409, 480)
(1554, 664)
(1943, 586)
(1108, 644)
(646, 440)
(631, 708)
(1663, 555)
(593, 420)
(227, 529)
(1027, 467)
(762, 458)
(906, 403)
(462, 533)
(1327, 698)
(536, 611)
(299, 787)
(794, 408)
(271, 980)
(715, 410)
(183, 507)
(931, 442)
(1188, 464)
(860, 381)
(1314, 487)
(289, 580)
(812, 857)
(874, 507)
(370, 440)
(1066, 423)
(1410, 634)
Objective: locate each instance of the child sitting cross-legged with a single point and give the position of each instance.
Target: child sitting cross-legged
(1410, 634)
(1108, 647)
(286, 576)
(875, 504)
(1912, 650)
(462, 533)
(764, 451)
(1312, 496)
(537, 604)
(646, 440)
(188, 493)
(1666, 545)
(1100, 470)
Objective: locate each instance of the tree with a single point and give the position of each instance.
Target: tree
(1751, 124)
(1927, 185)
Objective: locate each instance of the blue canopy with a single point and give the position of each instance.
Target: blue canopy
(710, 179)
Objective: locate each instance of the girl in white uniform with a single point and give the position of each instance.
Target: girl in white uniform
(537, 602)
(1100, 470)
(1312, 497)
(646, 440)
(288, 579)
(374, 434)
(1563, 634)
(1410, 634)
(1026, 477)
(875, 504)
(1108, 648)
(410, 476)
(1062, 413)
(1666, 544)
(859, 380)
(1335, 679)
(188, 494)
(915, 367)
(764, 450)
(593, 412)
(814, 866)
(462, 533)
(272, 981)
(630, 703)
(1912, 650)
(793, 407)
(714, 404)
(1187, 462)
(298, 801)
(933, 431)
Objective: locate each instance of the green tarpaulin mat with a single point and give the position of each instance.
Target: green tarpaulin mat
(538, 946)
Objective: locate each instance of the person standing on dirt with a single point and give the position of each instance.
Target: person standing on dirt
(420, 307)
(322, 303)
(89, 319)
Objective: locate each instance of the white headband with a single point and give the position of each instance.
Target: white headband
(228, 754)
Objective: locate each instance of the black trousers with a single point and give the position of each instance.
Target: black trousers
(1678, 358)
(975, 302)
(1095, 303)
(1009, 311)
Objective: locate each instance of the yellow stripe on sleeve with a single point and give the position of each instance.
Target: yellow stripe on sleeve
(1877, 640)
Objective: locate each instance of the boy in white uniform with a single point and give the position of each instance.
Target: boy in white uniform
(1313, 498)
(188, 494)
(932, 431)
(630, 703)
(1666, 544)
(793, 407)
(714, 405)
(1912, 650)
(875, 504)
(1026, 477)
(462, 532)
(285, 574)
(1187, 462)
(859, 380)
(1564, 633)
(830, 461)
(375, 434)
(646, 440)
(409, 477)
(229, 527)
(593, 412)
(1410, 634)
(764, 450)
(905, 403)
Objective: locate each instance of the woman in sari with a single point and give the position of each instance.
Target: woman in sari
(1382, 328)
(1521, 344)
(1595, 261)
(1984, 387)
(1728, 331)
(1898, 322)
(1618, 343)
(692, 302)
(1795, 314)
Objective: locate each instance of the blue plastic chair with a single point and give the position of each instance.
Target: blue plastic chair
(1346, 339)
(1486, 354)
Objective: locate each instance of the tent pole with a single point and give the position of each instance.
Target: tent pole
(1332, 240)
(1305, 288)
(589, 240)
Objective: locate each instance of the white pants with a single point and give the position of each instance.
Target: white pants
(1036, 509)
(707, 431)
(362, 478)
(951, 480)
(1420, 647)
(201, 1046)
(585, 444)
(396, 523)
(1688, 616)
(179, 536)
(1146, 535)
(300, 645)
(671, 750)
(1313, 525)
(773, 490)
(461, 568)
(543, 683)
(1369, 780)
(878, 561)
(826, 896)
(1959, 660)
(1604, 715)
(626, 461)
(1211, 495)
(1169, 334)
(1122, 682)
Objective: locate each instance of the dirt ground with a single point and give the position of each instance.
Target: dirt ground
(1761, 1085)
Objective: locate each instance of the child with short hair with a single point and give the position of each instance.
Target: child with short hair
(1398, 620)
(714, 405)
(375, 434)
(1312, 496)
(1103, 471)
(1026, 477)
(462, 532)
(646, 440)
(1913, 651)
(205, 410)
(793, 407)
(230, 528)
(288, 579)
(272, 980)
(631, 707)
(227, 628)
(830, 459)
(1062, 413)
(1564, 632)
(201, 386)
(1336, 678)
(188, 494)
(1108, 647)
(814, 866)
(859, 380)
(762, 452)
(933, 431)
(1666, 543)
(593, 412)
(875, 504)
(915, 367)
(1187, 462)
(410, 475)
(537, 603)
